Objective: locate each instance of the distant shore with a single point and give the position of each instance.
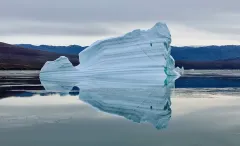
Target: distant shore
(187, 72)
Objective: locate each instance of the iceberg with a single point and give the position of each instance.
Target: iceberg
(140, 55)
(130, 76)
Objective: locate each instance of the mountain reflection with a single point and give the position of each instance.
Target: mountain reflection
(139, 102)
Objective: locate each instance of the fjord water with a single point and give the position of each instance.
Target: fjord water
(199, 108)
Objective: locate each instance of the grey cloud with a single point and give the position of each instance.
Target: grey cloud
(27, 28)
(204, 14)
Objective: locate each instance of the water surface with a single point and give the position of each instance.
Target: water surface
(200, 108)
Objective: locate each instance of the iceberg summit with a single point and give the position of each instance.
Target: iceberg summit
(138, 56)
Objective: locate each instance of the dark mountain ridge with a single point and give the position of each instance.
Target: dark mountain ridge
(72, 49)
(206, 53)
(26, 56)
(204, 57)
(186, 53)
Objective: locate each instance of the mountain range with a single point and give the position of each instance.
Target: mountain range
(27, 56)
(14, 57)
(205, 57)
(72, 49)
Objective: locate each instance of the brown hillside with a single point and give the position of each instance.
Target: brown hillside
(15, 58)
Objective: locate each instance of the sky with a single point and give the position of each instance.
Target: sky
(82, 22)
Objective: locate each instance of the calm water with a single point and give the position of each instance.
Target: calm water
(200, 108)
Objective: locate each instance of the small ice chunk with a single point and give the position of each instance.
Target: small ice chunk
(180, 70)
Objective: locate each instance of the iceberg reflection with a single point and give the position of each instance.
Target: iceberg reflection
(137, 101)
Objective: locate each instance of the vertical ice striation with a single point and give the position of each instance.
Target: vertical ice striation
(138, 55)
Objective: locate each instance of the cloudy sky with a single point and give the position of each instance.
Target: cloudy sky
(65, 22)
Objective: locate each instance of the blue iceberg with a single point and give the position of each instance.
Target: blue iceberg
(130, 76)
(140, 55)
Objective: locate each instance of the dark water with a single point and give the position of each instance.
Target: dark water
(200, 108)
